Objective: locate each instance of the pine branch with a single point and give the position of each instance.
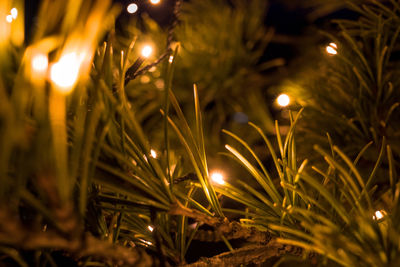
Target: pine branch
(14, 234)
(222, 226)
(253, 254)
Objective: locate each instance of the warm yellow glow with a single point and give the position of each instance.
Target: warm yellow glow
(132, 8)
(14, 13)
(171, 58)
(148, 243)
(9, 18)
(155, 2)
(283, 100)
(331, 49)
(65, 72)
(217, 177)
(153, 153)
(150, 228)
(39, 63)
(379, 214)
(146, 51)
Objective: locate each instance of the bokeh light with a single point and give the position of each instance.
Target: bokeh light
(283, 100)
(217, 177)
(132, 8)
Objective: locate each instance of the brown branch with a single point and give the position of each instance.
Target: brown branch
(230, 230)
(252, 254)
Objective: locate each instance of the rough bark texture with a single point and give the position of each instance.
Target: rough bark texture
(252, 254)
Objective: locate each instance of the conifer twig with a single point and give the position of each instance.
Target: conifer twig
(14, 234)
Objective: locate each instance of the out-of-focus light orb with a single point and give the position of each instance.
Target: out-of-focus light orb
(378, 215)
(14, 13)
(283, 100)
(171, 58)
(9, 18)
(132, 8)
(39, 63)
(146, 51)
(217, 177)
(155, 2)
(150, 228)
(153, 153)
(65, 72)
(331, 49)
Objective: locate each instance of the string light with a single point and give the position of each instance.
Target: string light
(39, 63)
(331, 49)
(65, 72)
(14, 13)
(155, 2)
(132, 8)
(217, 177)
(171, 58)
(9, 18)
(146, 51)
(283, 100)
(153, 153)
(150, 228)
(379, 214)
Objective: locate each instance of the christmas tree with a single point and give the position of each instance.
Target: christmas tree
(199, 133)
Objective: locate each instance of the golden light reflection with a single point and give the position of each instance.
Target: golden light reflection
(217, 177)
(39, 63)
(64, 73)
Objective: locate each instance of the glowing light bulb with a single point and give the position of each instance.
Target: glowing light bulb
(283, 100)
(379, 214)
(155, 2)
(132, 8)
(150, 228)
(65, 72)
(39, 63)
(171, 58)
(218, 178)
(9, 18)
(331, 49)
(146, 51)
(153, 153)
(14, 13)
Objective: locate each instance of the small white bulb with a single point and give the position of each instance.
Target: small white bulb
(132, 8)
(150, 228)
(283, 100)
(14, 13)
(331, 49)
(146, 51)
(153, 153)
(9, 18)
(155, 2)
(218, 178)
(378, 215)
